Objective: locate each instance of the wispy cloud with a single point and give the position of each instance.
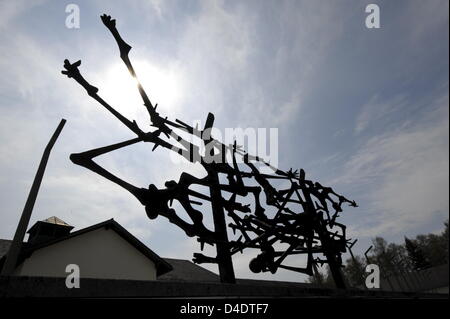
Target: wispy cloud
(9, 10)
(405, 173)
(377, 109)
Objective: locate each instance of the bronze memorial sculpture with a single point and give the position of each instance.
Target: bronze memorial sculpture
(310, 230)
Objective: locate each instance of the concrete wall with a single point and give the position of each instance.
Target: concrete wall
(435, 279)
(55, 287)
(101, 253)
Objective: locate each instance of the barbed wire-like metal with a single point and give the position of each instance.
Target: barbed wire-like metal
(310, 228)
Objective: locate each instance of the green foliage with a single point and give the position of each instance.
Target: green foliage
(445, 240)
(391, 258)
(434, 247)
(354, 271)
(322, 279)
(318, 279)
(416, 255)
(394, 259)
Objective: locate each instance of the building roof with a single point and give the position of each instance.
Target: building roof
(162, 266)
(51, 220)
(182, 270)
(185, 270)
(55, 220)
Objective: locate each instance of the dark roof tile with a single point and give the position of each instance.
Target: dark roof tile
(185, 270)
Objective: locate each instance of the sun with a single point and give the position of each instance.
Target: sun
(164, 86)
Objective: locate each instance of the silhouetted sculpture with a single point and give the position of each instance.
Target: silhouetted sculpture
(311, 230)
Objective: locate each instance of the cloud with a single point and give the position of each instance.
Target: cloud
(252, 64)
(404, 173)
(376, 109)
(10, 10)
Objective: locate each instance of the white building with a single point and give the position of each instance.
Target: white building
(103, 251)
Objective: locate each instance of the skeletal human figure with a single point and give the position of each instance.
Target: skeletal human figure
(304, 227)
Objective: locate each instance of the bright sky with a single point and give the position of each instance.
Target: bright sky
(365, 111)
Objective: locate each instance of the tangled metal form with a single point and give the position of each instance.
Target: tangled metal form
(301, 216)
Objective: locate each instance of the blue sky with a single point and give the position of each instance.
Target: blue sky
(362, 110)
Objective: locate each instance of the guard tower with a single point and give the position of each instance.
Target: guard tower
(48, 229)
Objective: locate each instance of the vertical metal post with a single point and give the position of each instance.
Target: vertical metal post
(224, 260)
(14, 250)
(334, 266)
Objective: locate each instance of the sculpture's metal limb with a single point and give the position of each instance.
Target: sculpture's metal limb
(282, 206)
(202, 259)
(124, 49)
(269, 190)
(16, 245)
(85, 159)
(191, 230)
(306, 270)
(190, 152)
(73, 72)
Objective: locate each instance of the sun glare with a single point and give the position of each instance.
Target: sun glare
(163, 87)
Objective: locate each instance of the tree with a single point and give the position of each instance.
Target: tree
(391, 258)
(435, 247)
(354, 271)
(445, 241)
(399, 258)
(318, 278)
(323, 279)
(416, 255)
